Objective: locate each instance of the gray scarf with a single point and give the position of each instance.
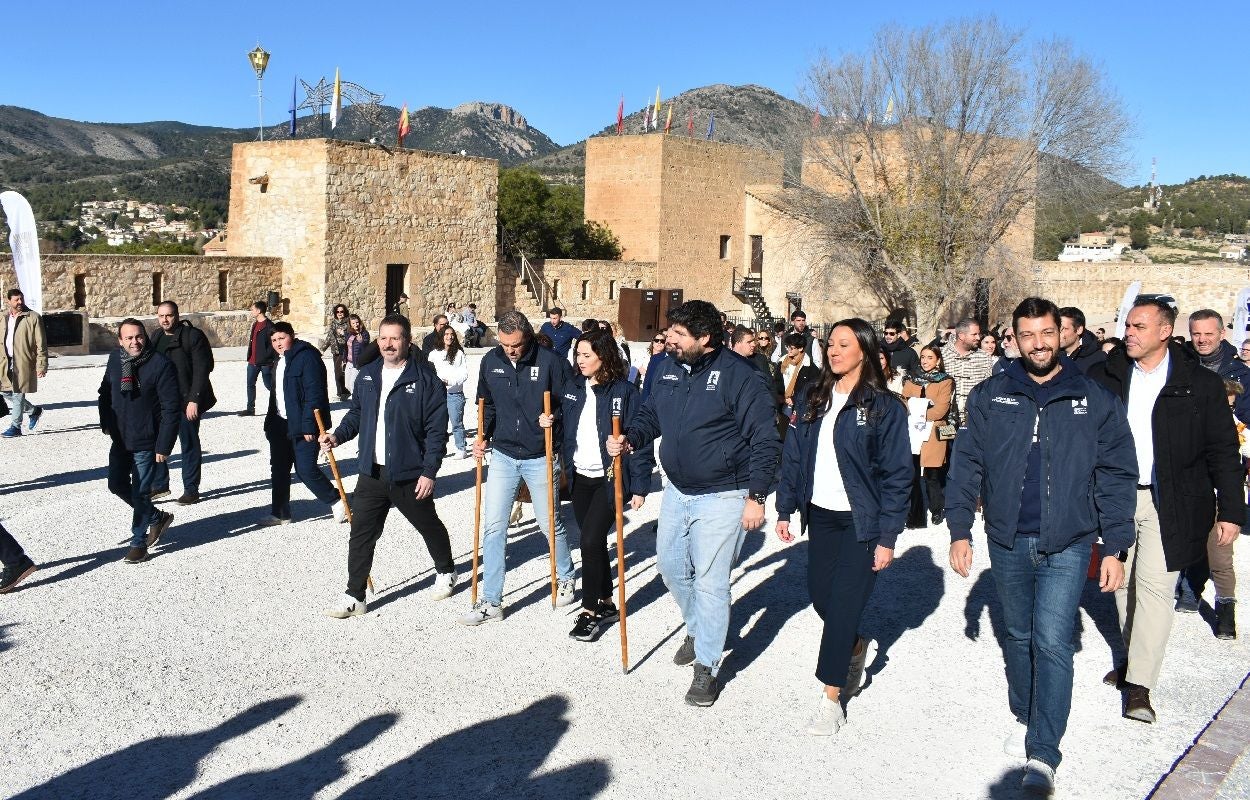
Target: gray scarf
(130, 368)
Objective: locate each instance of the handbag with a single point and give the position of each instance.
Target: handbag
(947, 431)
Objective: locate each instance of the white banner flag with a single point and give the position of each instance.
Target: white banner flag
(1126, 305)
(24, 239)
(1241, 316)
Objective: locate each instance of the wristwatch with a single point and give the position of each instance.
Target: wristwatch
(759, 497)
(1121, 556)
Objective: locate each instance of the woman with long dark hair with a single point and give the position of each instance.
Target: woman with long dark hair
(598, 392)
(933, 383)
(335, 339)
(354, 343)
(846, 467)
(449, 362)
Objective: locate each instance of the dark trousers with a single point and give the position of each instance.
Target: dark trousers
(915, 512)
(839, 580)
(339, 381)
(935, 484)
(11, 553)
(266, 375)
(130, 478)
(595, 511)
(286, 452)
(192, 456)
(374, 497)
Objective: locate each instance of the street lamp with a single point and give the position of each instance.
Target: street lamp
(259, 60)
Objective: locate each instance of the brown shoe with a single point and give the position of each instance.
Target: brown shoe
(1137, 704)
(136, 555)
(1116, 676)
(156, 529)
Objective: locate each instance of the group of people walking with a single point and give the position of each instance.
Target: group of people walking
(1131, 463)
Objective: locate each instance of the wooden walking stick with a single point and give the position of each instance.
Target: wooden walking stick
(620, 541)
(477, 511)
(338, 479)
(551, 498)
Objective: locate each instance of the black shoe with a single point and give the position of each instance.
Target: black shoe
(1187, 602)
(12, 576)
(188, 499)
(1116, 676)
(343, 398)
(158, 494)
(247, 412)
(1225, 619)
(938, 517)
(607, 613)
(1137, 703)
(157, 528)
(685, 653)
(136, 555)
(704, 688)
(587, 628)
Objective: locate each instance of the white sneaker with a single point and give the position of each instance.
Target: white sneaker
(460, 453)
(444, 585)
(1013, 745)
(1039, 778)
(465, 454)
(339, 511)
(564, 593)
(269, 520)
(828, 719)
(347, 606)
(482, 611)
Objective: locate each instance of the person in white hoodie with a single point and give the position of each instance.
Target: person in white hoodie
(449, 362)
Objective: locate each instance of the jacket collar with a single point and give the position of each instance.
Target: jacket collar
(1066, 384)
(702, 362)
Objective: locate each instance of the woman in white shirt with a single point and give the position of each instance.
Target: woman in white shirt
(846, 467)
(449, 362)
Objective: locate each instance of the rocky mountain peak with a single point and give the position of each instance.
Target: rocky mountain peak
(496, 111)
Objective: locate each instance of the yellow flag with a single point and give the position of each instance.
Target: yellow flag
(336, 103)
(657, 103)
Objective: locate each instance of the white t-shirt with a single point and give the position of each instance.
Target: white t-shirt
(10, 329)
(1143, 391)
(828, 491)
(279, 396)
(390, 377)
(587, 459)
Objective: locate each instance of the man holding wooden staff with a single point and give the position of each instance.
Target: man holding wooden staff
(512, 381)
(399, 410)
(720, 451)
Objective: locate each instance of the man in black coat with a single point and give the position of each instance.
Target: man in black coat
(1080, 345)
(260, 355)
(1189, 477)
(899, 350)
(139, 405)
(188, 350)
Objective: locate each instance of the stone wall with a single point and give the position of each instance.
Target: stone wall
(592, 288)
(223, 329)
(1098, 288)
(122, 285)
(623, 183)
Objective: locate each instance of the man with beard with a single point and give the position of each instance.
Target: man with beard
(187, 348)
(434, 339)
(1190, 479)
(812, 346)
(967, 363)
(898, 350)
(720, 452)
(1080, 345)
(1050, 453)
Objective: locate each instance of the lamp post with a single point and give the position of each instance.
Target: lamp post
(259, 60)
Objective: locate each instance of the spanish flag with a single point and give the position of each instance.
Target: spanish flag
(403, 124)
(336, 102)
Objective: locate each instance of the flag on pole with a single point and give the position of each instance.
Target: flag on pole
(655, 118)
(668, 123)
(403, 124)
(889, 111)
(620, 116)
(336, 102)
(711, 125)
(647, 124)
(24, 242)
(294, 83)
(690, 124)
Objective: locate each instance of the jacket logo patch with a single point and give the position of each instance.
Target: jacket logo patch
(1007, 401)
(861, 416)
(411, 389)
(669, 377)
(533, 373)
(616, 406)
(367, 378)
(498, 371)
(1080, 406)
(572, 397)
(713, 378)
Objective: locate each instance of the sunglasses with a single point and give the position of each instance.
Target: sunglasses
(659, 340)
(891, 333)
(1009, 338)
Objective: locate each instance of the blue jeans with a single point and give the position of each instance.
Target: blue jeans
(455, 412)
(130, 478)
(1040, 593)
(697, 542)
(505, 476)
(19, 407)
(266, 375)
(192, 456)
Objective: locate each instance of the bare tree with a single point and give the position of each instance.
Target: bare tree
(931, 149)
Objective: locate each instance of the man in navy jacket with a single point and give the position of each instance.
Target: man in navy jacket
(720, 451)
(399, 410)
(139, 407)
(1051, 454)
(511, 381)
(299, 389)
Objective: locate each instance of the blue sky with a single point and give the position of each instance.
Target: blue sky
(1181, 75)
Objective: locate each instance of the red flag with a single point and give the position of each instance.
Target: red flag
(620, 117)
(690, 124)
(403, 124)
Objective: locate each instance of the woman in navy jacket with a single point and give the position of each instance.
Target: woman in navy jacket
(847, 468)
(598, 393)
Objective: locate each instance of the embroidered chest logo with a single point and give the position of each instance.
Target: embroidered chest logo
(367, 378)
(1007, 401)
(616, 406)
(498, 371)
(669, 377)
(572, 397)
(410, 389)
(1080, 406)
(533, 374)
(713, 378)
(861, 416)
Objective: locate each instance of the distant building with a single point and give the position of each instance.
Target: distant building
(1093, 247)
(1233, 252)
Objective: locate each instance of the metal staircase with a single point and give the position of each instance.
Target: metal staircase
(749, 289)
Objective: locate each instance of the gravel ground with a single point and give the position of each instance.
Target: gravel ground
(209, 672)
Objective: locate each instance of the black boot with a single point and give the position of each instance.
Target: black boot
(1225, 619)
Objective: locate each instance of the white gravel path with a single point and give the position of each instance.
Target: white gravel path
(209, 672)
